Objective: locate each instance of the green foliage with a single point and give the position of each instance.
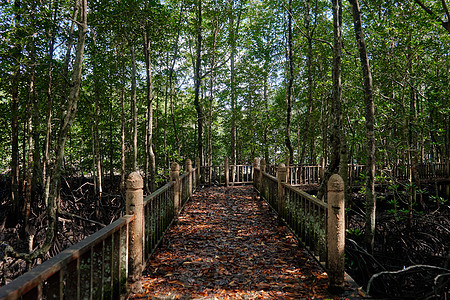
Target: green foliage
(408, 54)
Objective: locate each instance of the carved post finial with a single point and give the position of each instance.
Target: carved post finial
(263, 165)
(282, 172)
(174, 171)
(188, 165)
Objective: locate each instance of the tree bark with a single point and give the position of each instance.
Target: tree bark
(370, 121)
(150, 174)
(309, 58)
(233, 86)
(133, 109)
(15, 82)
(290, 88)
(122, 140)
(31, 122)
(97, 159)
(67, 118)
(197, 83)
(336, 105)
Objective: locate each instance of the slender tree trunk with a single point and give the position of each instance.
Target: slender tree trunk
(111, 149)
(30, 125)
(370, 135)
(134, 117)
(97, 159)
(150, 174)
(336, 105)
(172, 85)
(46, 154)
(68, 116)
(233, 86)
(122, 140)
(290, 88)
(197, 83)
(309, 75)
(267, 124)
(211, 93)
(166, 98)
(306, 133)
(15, 82)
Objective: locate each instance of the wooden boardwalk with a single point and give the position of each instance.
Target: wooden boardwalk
(228, 245)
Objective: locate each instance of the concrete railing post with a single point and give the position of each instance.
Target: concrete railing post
(256, 175)
(255, 165)
(197, 173)
(263, 165)
(135, 206)
(322, 168)
(188, 169)
(336, 232)
(174, 176)
(227, 172)
(281, 176)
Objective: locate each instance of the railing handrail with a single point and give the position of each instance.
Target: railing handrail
(158, 192)
(306, 196)
(33, 281)
(45, 270)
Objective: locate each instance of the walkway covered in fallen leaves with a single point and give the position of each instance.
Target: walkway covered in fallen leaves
(227, 245)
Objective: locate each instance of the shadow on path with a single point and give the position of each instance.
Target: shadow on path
(227, 245)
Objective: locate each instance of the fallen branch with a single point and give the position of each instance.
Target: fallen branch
(418, 281)
(67, 214)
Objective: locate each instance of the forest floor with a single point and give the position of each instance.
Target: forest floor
(82, 214)
(228, 245)
(399, 242)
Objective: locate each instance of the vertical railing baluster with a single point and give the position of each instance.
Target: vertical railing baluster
(97, 271)
(107, 273)
(33, 294)
(54, 287)
(85, 275)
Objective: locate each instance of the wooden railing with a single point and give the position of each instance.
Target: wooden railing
(95, 268)
(305, 215)
(100, 266)
(226, 174)
(309, 218)
(309, 175)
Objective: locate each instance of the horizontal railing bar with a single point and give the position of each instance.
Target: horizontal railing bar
(306, 196)
(42, 272)
(158, 192)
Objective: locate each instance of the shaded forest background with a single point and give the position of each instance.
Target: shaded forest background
(101, 88)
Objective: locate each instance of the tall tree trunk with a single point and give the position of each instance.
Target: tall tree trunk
(197, 83)
(336, 105)
(111, 149)
(31, 122)
(97, 159)
(67, 118)
(150, 174)
(309, 58)
(134, 117)
(211, 93)
(46, 154)
(306, 132)
(122, 139)
(233, 86)
(290, 88)
(172, 85)
(267, 124)
(370, 121)
(15, 82)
